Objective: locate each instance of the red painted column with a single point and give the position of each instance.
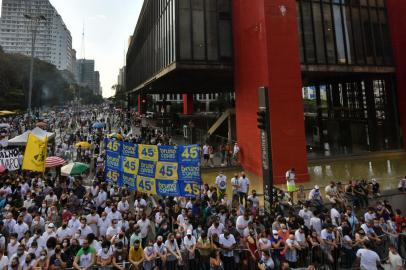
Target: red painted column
(266, 48)
(142, 104)
(188, 104)
(397, 23)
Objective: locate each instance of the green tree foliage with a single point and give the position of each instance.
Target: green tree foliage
(50, 87)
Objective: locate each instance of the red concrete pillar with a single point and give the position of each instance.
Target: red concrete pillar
(397, 22)
(266, 48)
(142, 104)
(188, 104)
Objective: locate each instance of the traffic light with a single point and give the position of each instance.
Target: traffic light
(262, 120)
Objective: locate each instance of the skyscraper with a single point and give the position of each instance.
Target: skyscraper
(86, 76)
(53, 40)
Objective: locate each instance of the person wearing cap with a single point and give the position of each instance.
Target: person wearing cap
(221, 182)
(189, 241)
(50, 232)
(315, 197)
(161, 252)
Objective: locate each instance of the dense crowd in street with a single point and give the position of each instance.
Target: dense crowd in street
(51, 221)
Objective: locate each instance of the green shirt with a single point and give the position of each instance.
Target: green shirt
(85, 256)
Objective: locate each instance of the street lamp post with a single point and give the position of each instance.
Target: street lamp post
(35, 20)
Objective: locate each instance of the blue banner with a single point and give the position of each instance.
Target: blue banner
(163, 170)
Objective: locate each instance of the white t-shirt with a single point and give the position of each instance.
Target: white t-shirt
(395, 261)
(244, 183)
(227, 242)
(221, 181)
(369, 258)
(315, 222)
(368, 217)
(103, 255)
(143, 225)
(235, 183)
(241, 224)
(205, 149)
(3, 261)
(335, 215)
(306, 215)
(300, 237)
(325, 235)
(290, 176)
(189, 243)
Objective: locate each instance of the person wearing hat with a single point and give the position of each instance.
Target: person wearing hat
(189, 241)
(315, 197)
(161, 252)
(50, 232)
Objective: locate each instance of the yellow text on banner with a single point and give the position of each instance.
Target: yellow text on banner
(35, 154)
(166, 171)
(146, 185)
(148, 152)
(130, 165)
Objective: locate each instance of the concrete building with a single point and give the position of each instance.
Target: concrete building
(336, 71)
(86, 76)
(53, 40)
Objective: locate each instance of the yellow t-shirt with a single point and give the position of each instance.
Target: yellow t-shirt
(136, 255)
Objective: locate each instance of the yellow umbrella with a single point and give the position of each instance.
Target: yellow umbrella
(5, 113)
(116, 136)
(83, 145)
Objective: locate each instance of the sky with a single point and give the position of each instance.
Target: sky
(108, 25)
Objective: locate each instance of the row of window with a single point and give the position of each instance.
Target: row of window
(344, 32)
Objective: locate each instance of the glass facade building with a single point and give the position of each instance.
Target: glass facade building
(172, 36)
(348, 77)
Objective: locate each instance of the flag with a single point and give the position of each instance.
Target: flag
(35, 154)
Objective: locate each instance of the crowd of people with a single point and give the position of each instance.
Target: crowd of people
(59, 222)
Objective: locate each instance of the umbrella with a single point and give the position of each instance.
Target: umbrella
(98, 125)
(4, 125)
(41, 125)
(54, 162)
(116, 136)
(83, 145)
(2, 168)
(75, 168)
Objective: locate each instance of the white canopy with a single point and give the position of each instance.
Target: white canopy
(23, 138)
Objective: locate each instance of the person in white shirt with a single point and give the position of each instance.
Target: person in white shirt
(254, 199)
(236, 186)
(402, 184)
(189, 242)
(112, 230)
(13, 244)
(50, 232)
(102, 224)
(236, 152)
(369, 260)
(20, 228)
(84, 229)
(74, 223)
(123, 205)
(114, 214)
(51, 198)
(221, 182)
(394, 260)
(290, 181)
(242, 222)
(3, 260)
(306, 214)
(140, 203)
(216, 228)
(63, 232)
(370, 215)
(244, 183)
(92, 219)
(227, 243)
(335, 215)
(144, 224)
(315, 224)
(101, 198)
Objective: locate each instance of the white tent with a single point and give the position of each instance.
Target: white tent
(23, 138)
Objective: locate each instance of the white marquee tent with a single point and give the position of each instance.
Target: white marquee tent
(23, 138)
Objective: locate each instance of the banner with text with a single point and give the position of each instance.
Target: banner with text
(9, 159)
(154, 169)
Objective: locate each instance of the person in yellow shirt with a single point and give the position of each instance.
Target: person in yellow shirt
(136, 255)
